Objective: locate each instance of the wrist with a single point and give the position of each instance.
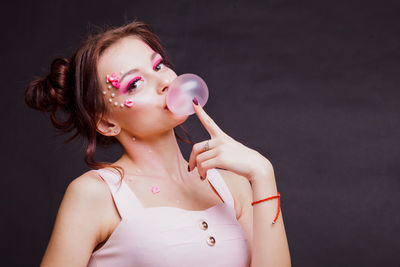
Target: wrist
(263, 186)
(263, 172)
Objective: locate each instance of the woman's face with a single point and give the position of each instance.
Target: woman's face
(136, 88)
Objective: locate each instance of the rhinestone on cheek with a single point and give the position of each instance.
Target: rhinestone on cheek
(114, 80)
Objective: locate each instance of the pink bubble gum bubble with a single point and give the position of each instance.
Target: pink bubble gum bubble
(181, 92)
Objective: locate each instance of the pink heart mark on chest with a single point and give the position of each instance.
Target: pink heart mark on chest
(155, 189)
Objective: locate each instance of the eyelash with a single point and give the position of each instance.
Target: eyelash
(159, 62)
(129, 88)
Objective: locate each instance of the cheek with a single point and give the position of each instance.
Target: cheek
(142, 114)
(143, 117)
(141, 104)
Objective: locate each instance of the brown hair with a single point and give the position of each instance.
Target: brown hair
(72, 88)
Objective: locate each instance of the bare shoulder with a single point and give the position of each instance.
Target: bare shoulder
(239, 187)
(90, 195)
(81, 222)
(88, 186)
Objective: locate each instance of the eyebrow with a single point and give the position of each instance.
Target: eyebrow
(136, 69)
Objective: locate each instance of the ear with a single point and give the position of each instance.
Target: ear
(108, 127)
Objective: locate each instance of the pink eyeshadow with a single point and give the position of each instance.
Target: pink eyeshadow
(137, 78)
(157, 62)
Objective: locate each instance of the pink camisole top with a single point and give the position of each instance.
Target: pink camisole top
(171, 236)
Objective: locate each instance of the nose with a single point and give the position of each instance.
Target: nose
(163, 85)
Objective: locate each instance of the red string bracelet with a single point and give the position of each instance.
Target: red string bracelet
(278, 196)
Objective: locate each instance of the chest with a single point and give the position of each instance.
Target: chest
(192, 195)
(160, 236)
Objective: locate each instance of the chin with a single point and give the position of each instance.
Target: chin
(181, 118)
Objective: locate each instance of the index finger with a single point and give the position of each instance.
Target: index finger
(208, 123)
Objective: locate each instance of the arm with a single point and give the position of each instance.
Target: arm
(77, 227)
(269, 242)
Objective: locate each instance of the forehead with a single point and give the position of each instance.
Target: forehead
(127, 53)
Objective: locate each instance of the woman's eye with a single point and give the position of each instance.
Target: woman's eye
(160, 64)
(134, 84)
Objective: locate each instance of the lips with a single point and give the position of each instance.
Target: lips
(129, 103)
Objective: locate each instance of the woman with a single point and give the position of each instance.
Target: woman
(151, 207)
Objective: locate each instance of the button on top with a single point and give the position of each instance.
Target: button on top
(203, 225)
(210, 241)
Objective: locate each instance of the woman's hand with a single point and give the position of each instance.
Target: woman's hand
(222, 151)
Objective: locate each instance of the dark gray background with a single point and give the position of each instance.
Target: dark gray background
(312, 85)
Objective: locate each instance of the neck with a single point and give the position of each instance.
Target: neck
(158, 157)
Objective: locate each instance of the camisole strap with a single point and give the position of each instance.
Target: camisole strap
(220, 186)
(124, 201)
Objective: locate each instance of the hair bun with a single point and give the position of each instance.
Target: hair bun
(51, 92)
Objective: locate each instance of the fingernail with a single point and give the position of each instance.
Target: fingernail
(201, 177)
(188, 168)
(195, 101)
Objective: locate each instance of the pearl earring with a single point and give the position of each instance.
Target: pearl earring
(116, 131)
(133, 138)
